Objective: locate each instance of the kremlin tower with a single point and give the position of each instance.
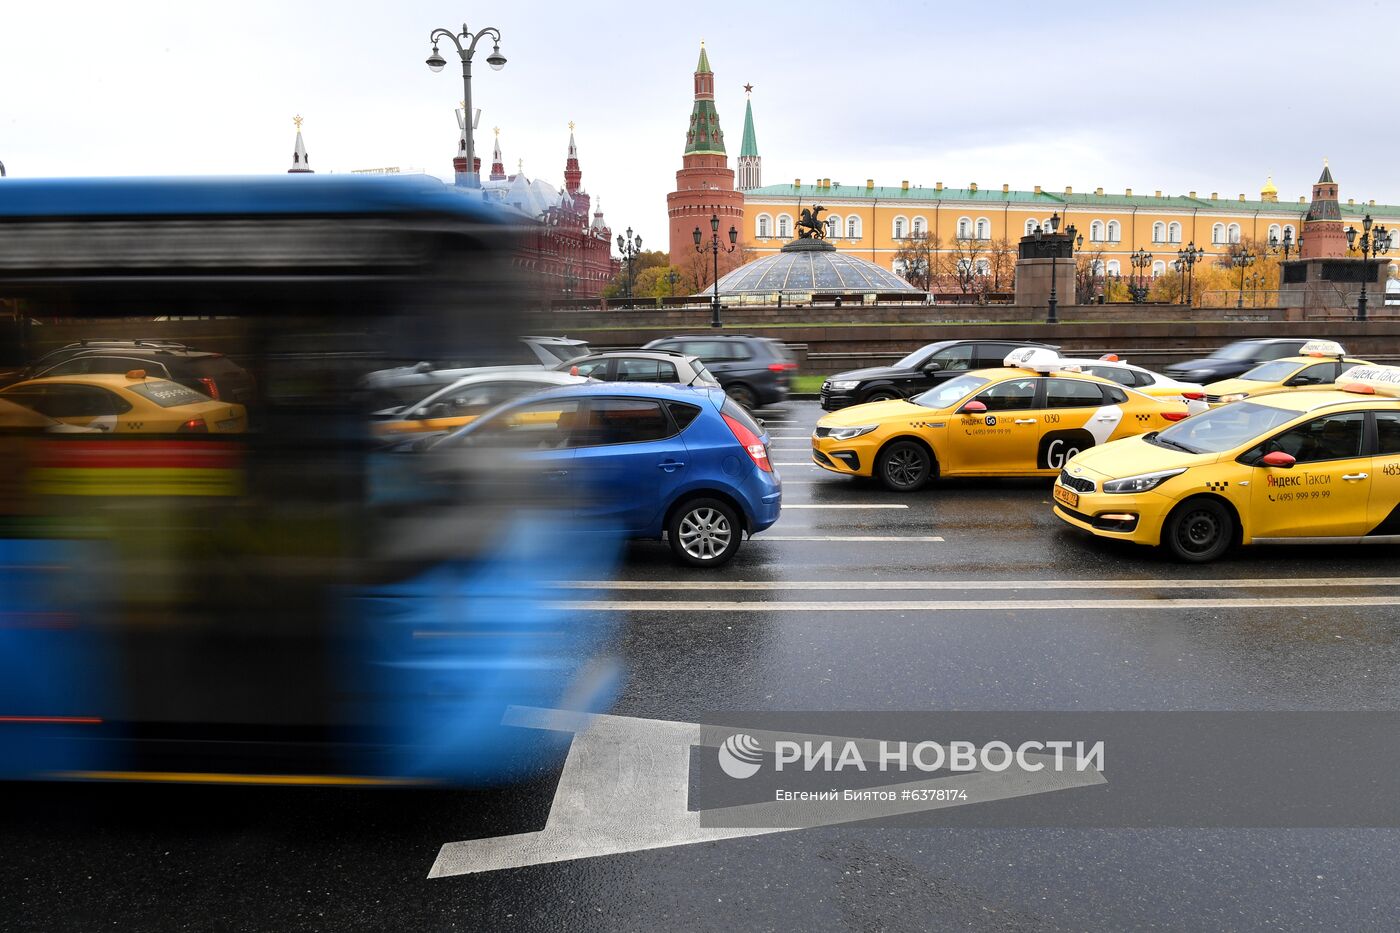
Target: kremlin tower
(705, 182)
(1323, 237)
(300, 164)
(749, 164)
(573, 177)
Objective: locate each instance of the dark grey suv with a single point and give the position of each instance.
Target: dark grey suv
(753, 371)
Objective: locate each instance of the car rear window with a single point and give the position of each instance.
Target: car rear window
(566, 351)
(167, 394)
(683, 413)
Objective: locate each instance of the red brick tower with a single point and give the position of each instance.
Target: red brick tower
(705, 182)
(573, 178)
(1323, 237)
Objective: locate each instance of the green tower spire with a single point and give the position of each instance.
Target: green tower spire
(705, 137)
(750, 144)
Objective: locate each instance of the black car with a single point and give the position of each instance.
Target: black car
(923, 369)
(1236, 358)
(753, 371)
(211, 374)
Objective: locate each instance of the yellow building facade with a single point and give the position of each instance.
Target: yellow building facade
(874, 222)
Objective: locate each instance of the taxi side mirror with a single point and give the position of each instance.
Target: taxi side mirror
(974, 407)
(1277, 458)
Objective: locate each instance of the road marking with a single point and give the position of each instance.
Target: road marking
(841, 505)
(1268, 583)
(625, 787)
(1039, 606)
(795, 463)
(879, 538)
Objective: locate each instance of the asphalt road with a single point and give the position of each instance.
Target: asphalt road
(1020, 638)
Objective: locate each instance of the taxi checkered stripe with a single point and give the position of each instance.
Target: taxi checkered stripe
(1142, 417)
(1215, 485)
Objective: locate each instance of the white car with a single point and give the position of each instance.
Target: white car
(1146, 381)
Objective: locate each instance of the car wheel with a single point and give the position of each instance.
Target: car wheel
(742, 395)
(704, 533)
(1199, 530)
(882, 395)
(904, 466)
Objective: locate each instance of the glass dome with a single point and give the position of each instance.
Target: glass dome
(813, 266)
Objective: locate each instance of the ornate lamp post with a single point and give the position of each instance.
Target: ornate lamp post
(1371, 243)
(1242, 260)
(628, 247)
(1141, 260)
(1256, 280)
(496, 60)
(1186, 260)
(1287, 246)
(715, 248)
(672, 278)
(1052, 306)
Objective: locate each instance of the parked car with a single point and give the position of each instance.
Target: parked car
(1234, 359)
(926, 367)
(460, 403)
(667, 366)
(131, 403)
(403, 386)
(207, 373)
(639, 459)
(753, 371)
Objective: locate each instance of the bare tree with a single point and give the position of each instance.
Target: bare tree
(1089, 276)
(917, 259)
(1002, 260)
(967, 254)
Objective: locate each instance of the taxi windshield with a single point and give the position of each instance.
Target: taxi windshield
(947, 394)
(1223, 429)
(1272, 371)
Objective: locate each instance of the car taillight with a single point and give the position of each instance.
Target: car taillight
(211, 388)
(1175, 415)
(781, 367)
(751, 442)
(194, 425)
(1194, 396)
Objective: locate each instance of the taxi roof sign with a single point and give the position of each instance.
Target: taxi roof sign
(1371, 380)
(1038, 359)
(1322, 348)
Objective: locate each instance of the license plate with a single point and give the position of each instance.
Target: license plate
(1068, 496)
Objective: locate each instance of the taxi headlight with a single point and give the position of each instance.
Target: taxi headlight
(846, 434)
(1233, 397)
(842, 385)
(1141, 483)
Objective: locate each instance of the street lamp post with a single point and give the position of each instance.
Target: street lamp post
(1287, 246)
(1186, 260)
(496, 60)
(1140, 259)
(1371, 244)
(1256, 279)
(1242, 260)
(628, 247)
(1052, 315)
(672, 278)
(715, 248)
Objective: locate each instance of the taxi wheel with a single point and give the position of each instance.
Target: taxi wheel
(1199, 530)
(904, 466)
(704, 533)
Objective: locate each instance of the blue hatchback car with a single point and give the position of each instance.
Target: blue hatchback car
(641, 459)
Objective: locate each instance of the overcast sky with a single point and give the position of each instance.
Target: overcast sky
(1182, 96)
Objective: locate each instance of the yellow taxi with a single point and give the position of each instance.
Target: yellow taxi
(1317, 364)
(130, 403)
(1291, 467)
(1026, 419)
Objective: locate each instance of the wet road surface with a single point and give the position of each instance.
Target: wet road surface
(1021, 627)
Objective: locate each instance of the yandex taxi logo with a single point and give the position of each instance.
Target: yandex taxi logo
(1382, 380)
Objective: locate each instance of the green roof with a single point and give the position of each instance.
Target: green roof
(704, 136)
(997, 196)
(703, 68)
(750, 145)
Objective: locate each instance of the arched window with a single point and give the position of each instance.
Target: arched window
(765, 226)
(920, 226)
(1113, 267)
(1096, 267)
(1275, 232)
(1159, 232)
(984, 267)
(1115, 231)
(964, 265)
(853, 227)
(1030, 226)
(964, 228)
(784, 226)
(899, 267)
(1217, 233)
(1173, 232)
(833, 226)
(1096, 232)
(984, 228)
(1159, 268)
(1234, 233)
(900, 224)
(1290, 232)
